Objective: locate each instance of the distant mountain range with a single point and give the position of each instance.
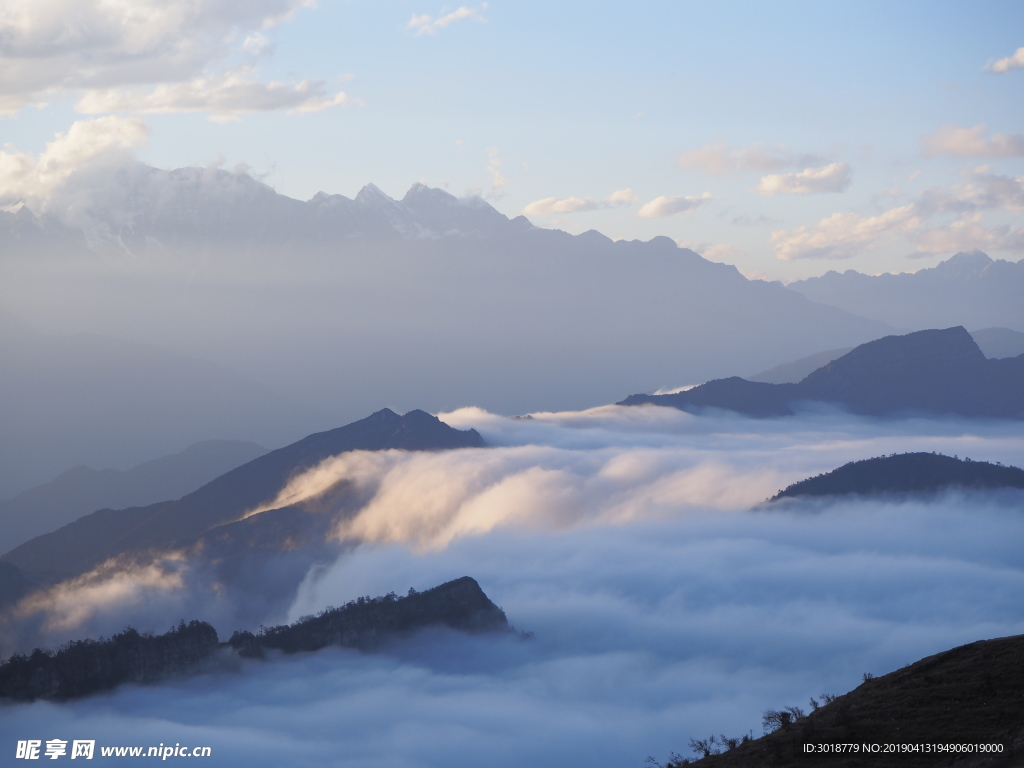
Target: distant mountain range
(84, 667)
(927, 372)
(906, 473)
(428, 300)
(81, 490)
(968, 289)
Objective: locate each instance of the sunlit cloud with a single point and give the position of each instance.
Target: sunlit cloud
(1004, 65)
(549, 206)
(34, 180)
(429, 25)
(663, 206)
(956, 141)
(829, 178)
(844, 235)
(67, 47)
(226, 97)
(718, 159)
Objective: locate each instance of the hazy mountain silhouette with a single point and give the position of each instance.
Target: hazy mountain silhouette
(994, 343)
(934, 371)
(67, 401)
(906, 473)
(92, 539)
(429, 300)
(797, 370)
(81, 490)
(999, 342)
(967, 695)
(967, 289)
(85, 667)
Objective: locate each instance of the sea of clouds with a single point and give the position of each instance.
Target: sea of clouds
(665, 601)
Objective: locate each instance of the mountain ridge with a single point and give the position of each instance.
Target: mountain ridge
(932, 371)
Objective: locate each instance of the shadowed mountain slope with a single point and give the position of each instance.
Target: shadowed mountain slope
(90, 540)
(967, 695)
(82, 490)
(85, 667)
(906, 473)
(934, 371)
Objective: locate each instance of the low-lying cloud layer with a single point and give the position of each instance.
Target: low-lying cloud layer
(623, 538)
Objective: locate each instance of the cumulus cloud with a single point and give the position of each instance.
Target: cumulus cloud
(810, 181)
(163, 55)
(663, 206)
(956, 141)
(105, 142)
(843, 235)
(1002, 66)
(549, 206)
(430, 25)
(718, 159)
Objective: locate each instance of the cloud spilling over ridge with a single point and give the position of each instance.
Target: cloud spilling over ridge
(607, 466)
(829, 178)
(642, 640)
(1004, 65)
(592, 530)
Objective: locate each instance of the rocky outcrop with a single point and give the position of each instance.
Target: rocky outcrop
(367, 622)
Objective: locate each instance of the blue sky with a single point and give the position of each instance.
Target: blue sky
(552, 108)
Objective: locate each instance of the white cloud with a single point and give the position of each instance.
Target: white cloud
(843, 235)
(663, 206)
(719, 160)
(104, 141)
(1002, 66)
(67, 47)
(550, 206)
(956, 141)
(829, 178)
(621, 197)
(428, 25)
(224, 96)
(498, 180)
